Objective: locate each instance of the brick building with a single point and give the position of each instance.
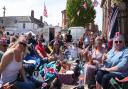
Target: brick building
(122, 16)
(64, 19)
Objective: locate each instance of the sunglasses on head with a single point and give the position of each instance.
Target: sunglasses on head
(118, 42)
(22, 43)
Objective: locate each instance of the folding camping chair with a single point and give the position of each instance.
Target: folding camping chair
(119, 84)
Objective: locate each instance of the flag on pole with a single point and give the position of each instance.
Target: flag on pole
(85, 5)
(45, 11)
(112, 23)
(95, 3)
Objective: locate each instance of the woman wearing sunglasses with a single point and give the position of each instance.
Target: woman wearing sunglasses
(115, 64)
(11, 65)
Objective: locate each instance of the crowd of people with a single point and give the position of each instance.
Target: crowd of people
(101, 63)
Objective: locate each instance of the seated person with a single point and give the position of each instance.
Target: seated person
(115, 64)
(95, 60)
(57, 53)
(57, 38)
(40, 49)
(74, 52)
(11, 65)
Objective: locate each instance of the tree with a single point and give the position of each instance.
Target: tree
(78, 15)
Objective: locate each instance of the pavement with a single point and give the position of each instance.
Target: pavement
(71, 86)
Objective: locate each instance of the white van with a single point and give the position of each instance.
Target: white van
(77, 32)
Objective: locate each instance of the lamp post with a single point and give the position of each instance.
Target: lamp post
(4, 9)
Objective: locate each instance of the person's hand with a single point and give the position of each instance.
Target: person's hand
(104, 57)
(102, 69)
(6, 86)
(85, 50)
(105, 69)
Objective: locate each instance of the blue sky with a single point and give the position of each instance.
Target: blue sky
(54, 8)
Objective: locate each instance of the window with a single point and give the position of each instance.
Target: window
(15, 21)
(23, 25)
(2, 21)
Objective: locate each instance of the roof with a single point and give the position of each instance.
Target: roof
(10, 20)
(34, 20)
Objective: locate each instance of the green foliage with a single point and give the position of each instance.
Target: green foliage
(86, 16)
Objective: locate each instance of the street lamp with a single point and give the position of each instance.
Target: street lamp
(4, 9)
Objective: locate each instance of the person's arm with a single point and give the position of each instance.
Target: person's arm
(121, 65)
(6, 59)
(86, 54)
(51, 57)
(112, 69)
(104, 57)
(39, 53)
(22, 72)
(62, 56)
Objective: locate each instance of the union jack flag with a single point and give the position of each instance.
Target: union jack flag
(45, 11)
(112, 22)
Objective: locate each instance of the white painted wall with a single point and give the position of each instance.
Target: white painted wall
(77, 32)
(18, 28)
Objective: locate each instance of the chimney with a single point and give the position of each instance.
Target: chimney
(41, 18)
(32, 13)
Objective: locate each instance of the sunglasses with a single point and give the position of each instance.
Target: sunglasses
(118, 42)
(22, 43)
